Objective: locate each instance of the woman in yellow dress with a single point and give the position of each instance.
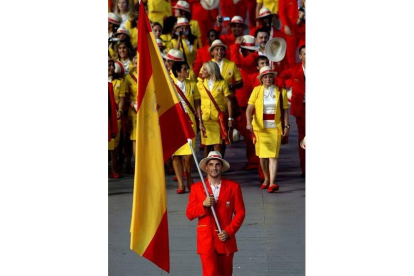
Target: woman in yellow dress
(192, 97)
(130, 89)
(116, 77)
(267, 125)
(209, 121)
(185, 41)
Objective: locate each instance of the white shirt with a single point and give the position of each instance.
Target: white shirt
(216, 191)
(220, 64)
(269, 105)
(210, 84)
(110, 79)
(126, 63)
(181, 85)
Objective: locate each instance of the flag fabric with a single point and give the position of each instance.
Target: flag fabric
(162, 128)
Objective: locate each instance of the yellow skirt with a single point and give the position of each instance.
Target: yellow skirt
(212, 133)
(115, 141)
(268, 143)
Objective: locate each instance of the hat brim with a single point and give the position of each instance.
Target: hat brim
(219, 45)
(266, 15)
(183, 25)
(253, 48)
(203, 162)
(259, 77)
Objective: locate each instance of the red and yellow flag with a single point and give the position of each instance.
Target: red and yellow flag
(162, 128)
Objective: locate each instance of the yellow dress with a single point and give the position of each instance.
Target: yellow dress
(119, 91)
(130, 88)
(190, 55)
(192, 94)
(209, 112)
(267, 140)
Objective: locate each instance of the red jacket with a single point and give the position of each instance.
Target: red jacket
(112, 120)
(230, 213)
(297, 78)
(203, 55)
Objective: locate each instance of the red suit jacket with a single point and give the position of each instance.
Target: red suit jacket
(112, 120)
(230, 214)
(297, 78)
(203, 55)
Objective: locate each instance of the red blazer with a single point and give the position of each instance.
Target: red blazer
(112, 120)
(297, 78)
(230, 212)
(203, 55)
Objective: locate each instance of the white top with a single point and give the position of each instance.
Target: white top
(110, 79)
(210, 84)
(190, 47)
(126, 63)
(220, 64)
(216, 191)
(269, 105)
(125, 18)
(181, 85)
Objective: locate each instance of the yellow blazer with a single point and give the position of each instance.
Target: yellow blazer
(219, 92)
(119, 89)
(195, 30)
(192, 94)
(130, 88)
(256, 99)
(230, 72)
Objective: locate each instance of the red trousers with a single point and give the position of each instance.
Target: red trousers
(300, 123)
(216, 264)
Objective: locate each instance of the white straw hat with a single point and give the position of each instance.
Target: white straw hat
(214, 155)
(119, 68)
(114, 18)
(210, 4)
(237, 20)
(264, 71)
(182, 5)
(181, 22)
(264, 12)
(249, 43)
(122, 30)
(174, 55)
(217, 43)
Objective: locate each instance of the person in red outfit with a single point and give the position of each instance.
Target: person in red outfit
(296, 75)
(203, 54)
(237, 28)
(205, 18)
(265, 18)
(293, 25)
(230, 8)
(216, 250)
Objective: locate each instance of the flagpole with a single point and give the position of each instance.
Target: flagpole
(190, 142)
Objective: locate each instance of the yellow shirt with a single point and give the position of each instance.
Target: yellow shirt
(119, 90)
(272, 5)
(256, 99)
(190, 55)
(131, 89)
(219, 92)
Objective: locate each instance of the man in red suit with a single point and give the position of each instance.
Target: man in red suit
(296, 75)
(216, 250)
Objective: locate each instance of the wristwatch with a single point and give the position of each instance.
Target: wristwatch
(288, 126)
(231, 119)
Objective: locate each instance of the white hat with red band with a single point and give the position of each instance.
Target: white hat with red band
(181, 22)
(237, 20)
(217, 156)
(249, 43)
(174, 55)
(264, 12)
(217, 43)
(182, 5)
(159, 42)
(264, 71)
(114, 18)
(122, 30)
(119, 68)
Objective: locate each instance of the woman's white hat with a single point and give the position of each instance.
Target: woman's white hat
(122, 30)
(181, 22)
(264, 71)
(237, 20)
(249, 43)
(182, 5)
(217, 43)
(214, 155)
(264, 12)
(114, 18)
(119, 68)
(174, 55)
(210, 4)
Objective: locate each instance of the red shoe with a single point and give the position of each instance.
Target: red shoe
(114, 175)
(180, 191)
(264, 186)
(273, 188)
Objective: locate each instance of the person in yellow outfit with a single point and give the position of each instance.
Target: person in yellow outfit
(158, 10)
(130, 90)
(116, 74)
(124, 53)
(267, 125)
(185, 41)
(209, 120)
(172, 56)
(189, 90)
(272, 5)
(182, 9)
(124, 10)
(131, 26)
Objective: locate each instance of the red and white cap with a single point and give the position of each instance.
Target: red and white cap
(181, 22)
(174, 55)
(114, 18)
(119, 68)
(214, 155)
(182, 5)
(122, 30)
(264, 71)
(217, 43)
(249, 43)
(264, 12)
(237, 20)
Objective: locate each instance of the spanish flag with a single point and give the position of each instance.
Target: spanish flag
(162, 128)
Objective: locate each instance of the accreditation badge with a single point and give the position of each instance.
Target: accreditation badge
(227, 204)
